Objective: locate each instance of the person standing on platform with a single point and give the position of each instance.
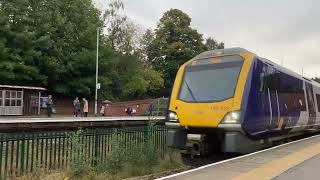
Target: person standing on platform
(129, 111)
(49, 106)
(76, 107)
(85, 107)
(102, 110)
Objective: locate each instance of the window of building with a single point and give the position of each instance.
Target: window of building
(19, 102)
(7, 102)
(43, 102)
(7, 94)
(19, 94)
(13, 98)
(13, 94)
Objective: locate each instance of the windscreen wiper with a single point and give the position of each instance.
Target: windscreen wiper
(191, 93)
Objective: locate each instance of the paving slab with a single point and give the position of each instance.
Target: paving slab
(236, 167)
(308, 170)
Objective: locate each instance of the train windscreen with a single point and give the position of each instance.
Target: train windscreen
(212, 79)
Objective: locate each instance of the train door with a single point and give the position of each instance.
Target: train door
(274, 109)
(311, 103)
(273, 89)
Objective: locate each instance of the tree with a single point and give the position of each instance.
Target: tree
(212, 44)
(115, 23)
(48, 41)
(175, 42)
(123, 34)
(145, 43)
(53, 44)
(132, 77)
(17, 45)
(128, 78)
(316, 79)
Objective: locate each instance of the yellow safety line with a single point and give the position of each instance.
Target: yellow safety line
(276, 167)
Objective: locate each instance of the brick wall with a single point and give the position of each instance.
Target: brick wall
(118, 108)
(65, 107)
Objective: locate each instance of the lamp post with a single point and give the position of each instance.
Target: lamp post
(97, 68)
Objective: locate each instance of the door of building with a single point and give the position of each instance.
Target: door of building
(13, 102)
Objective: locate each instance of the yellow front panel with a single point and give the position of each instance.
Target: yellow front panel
(208, 114)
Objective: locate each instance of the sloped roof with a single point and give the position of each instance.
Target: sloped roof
(22, 87)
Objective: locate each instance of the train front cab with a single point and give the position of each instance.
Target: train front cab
(206, 106)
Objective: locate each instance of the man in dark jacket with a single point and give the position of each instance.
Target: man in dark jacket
(49, 106)
(76, 107)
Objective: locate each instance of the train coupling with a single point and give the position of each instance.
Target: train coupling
(196, 145)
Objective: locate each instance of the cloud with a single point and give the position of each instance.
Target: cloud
(286, 30)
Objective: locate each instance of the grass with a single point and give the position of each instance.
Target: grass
(169, 161)
(139, 157)
(136, 156)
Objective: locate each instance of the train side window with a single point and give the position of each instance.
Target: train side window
(269, 78)
(275, 81)
(262, 82)
(318, 101)
(264, 79)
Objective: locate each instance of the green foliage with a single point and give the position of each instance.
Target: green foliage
(117, 157)
(130, 152)
(174, 43)
(212, 44)
(78, 164)
(139, 153)
(53, 44)
(48, 41)
(115, 23)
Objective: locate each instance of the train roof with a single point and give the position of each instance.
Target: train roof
(288, 71)
(219, 52)
(238, 50)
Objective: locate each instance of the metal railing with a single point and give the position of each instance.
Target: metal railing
(22, 153)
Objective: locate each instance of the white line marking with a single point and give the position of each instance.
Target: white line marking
(227, 160)
(71, 119)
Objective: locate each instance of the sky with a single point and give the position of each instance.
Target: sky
(286, 32)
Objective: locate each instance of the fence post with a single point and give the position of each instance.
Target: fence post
(158, 107)
(23, 139)
(96, 147)
(1, 154)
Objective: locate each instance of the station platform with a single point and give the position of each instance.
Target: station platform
(295, 161)
(18, 124)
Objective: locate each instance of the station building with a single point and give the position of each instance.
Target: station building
(21, 100)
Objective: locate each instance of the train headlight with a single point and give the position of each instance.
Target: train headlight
(173, 117)
(233, 117)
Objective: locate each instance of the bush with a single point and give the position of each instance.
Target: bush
(137, 156)
(117, 156)
(127, 158)
(78, 164)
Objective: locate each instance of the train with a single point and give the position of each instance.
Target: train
(234, 101)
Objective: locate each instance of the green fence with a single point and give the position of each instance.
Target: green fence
(21, 153)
